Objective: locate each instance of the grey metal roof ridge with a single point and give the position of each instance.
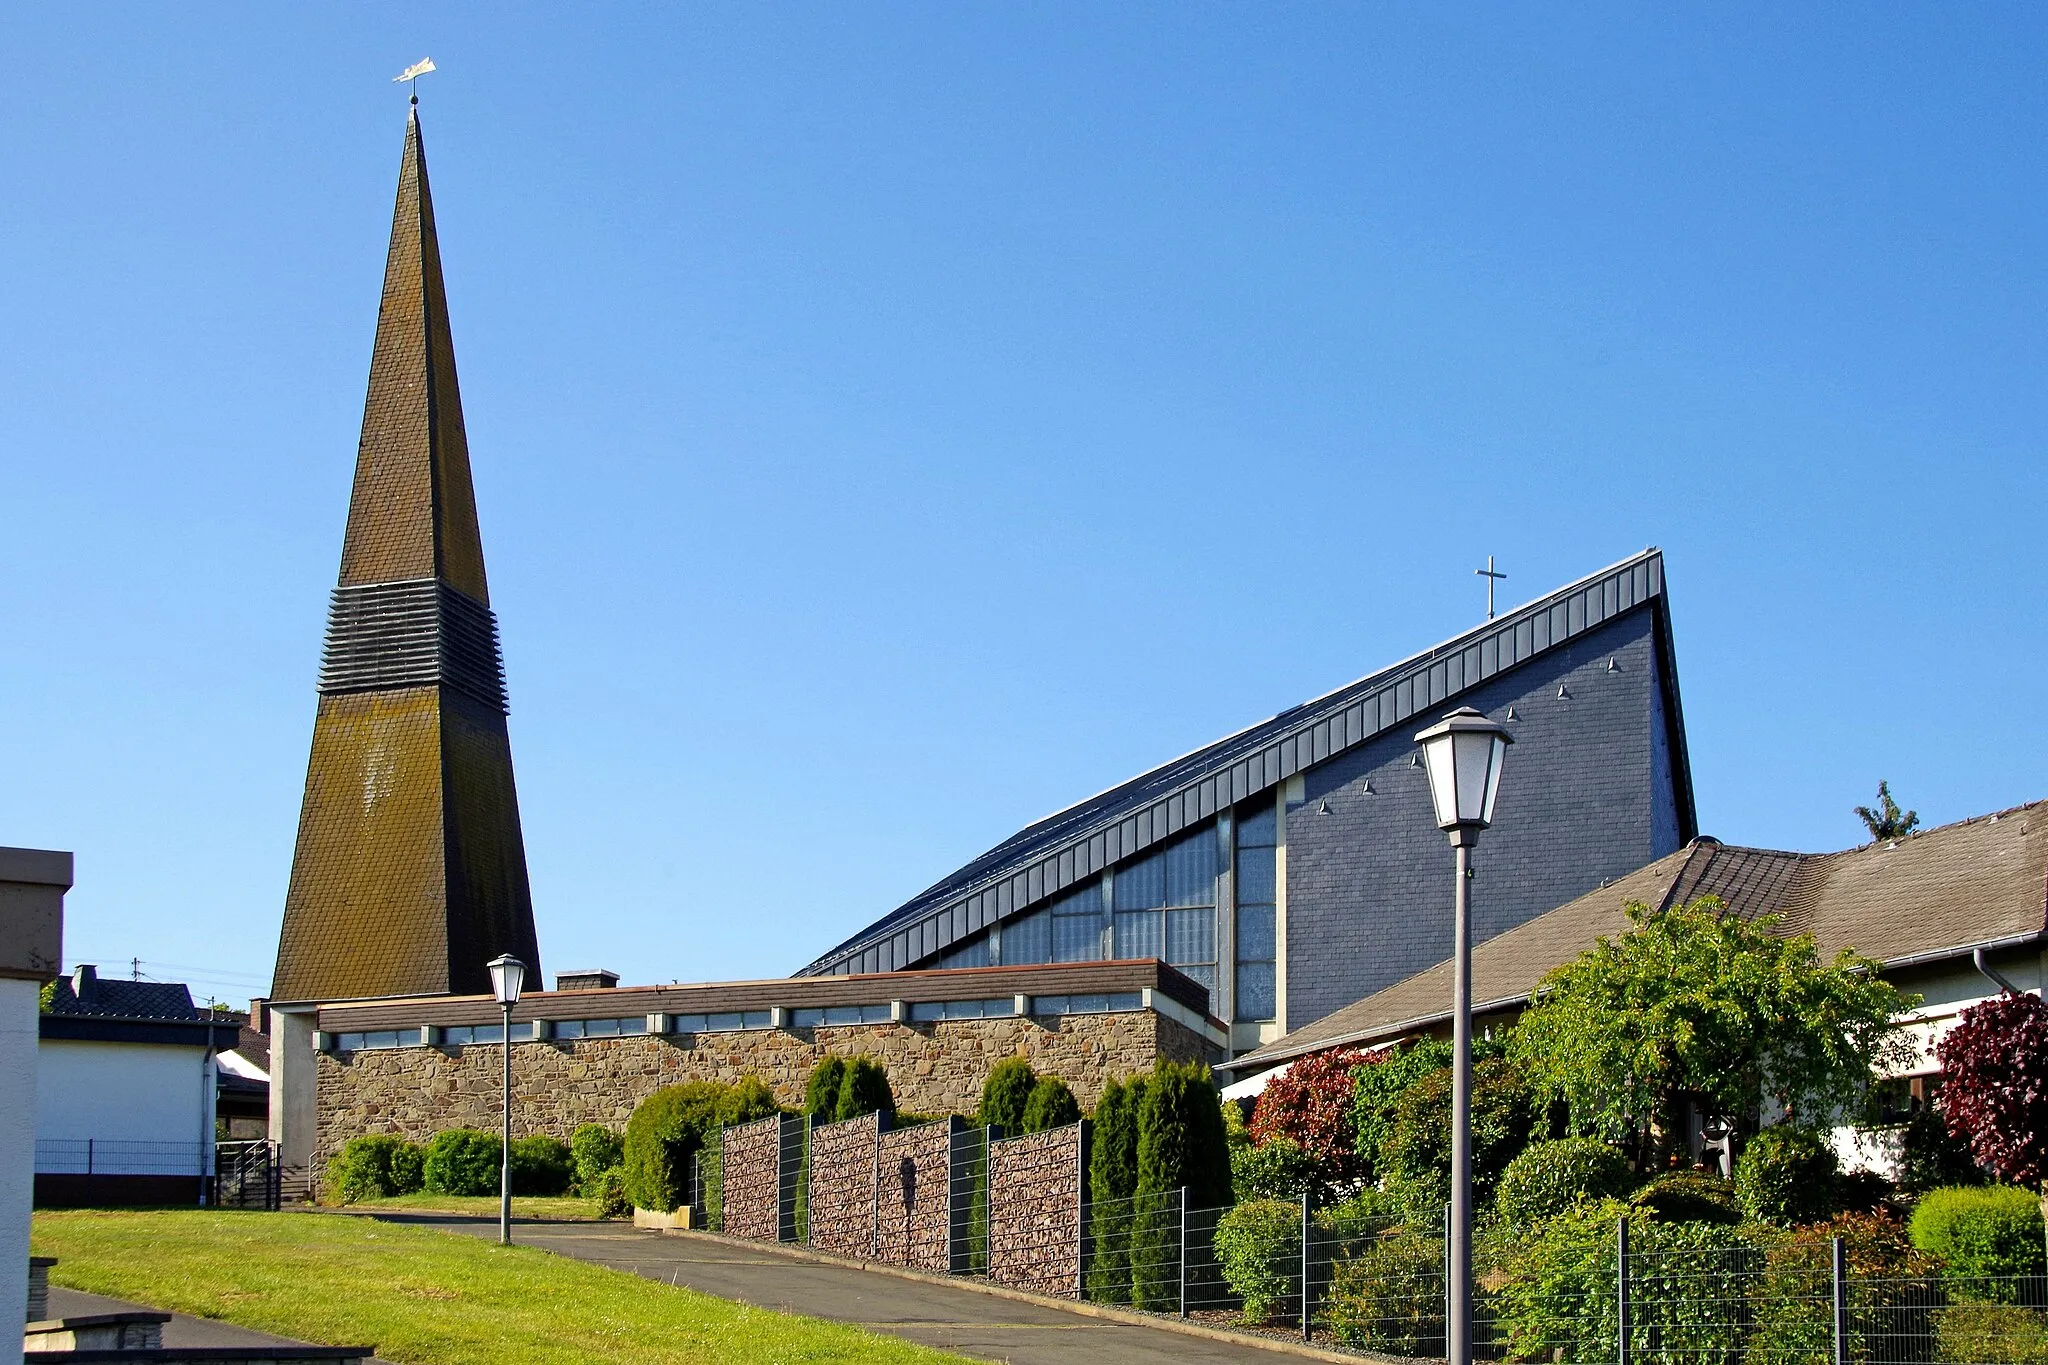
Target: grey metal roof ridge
(1032, 850)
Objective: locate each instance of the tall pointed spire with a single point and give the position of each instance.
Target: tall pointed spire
(410, 871)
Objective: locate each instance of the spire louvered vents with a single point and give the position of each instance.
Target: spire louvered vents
(412, 634)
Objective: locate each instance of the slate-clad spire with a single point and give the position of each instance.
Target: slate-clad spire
(410, 872)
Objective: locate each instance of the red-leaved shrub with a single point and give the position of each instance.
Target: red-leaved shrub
(1311, 1104)
(1995, 1093)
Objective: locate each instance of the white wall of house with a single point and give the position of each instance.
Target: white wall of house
(120, 1093)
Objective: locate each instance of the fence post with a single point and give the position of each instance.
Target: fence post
(1621, 1291)
(1183, 1251)
(1304, 1266)
(1841, 1299)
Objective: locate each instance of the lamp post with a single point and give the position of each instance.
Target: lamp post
(508, 974)
(1462, 754)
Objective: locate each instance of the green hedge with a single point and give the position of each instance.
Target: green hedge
(1259, 1246)
(1390, 1297)
(1416, 1150)
(1181, 1146)
(1112, 1180)
(1792, 1297)
(595, 1150)
(541, 1166)
(374, 1166)
(1688, 1197)
(1991, 1334)
(665, 1130)
(463, 1161)
(863, 1090)
(1004, 1094)
(1984, 1236)
(1787, 1176)
(821, 1091)
(1274, 1169)
(1051, 1106)
(1546, 1178)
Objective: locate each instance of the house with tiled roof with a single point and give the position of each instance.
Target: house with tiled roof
(1955, 914)
(126, 1087)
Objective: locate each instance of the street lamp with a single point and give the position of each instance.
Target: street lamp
(508, 974)
(1463, 754)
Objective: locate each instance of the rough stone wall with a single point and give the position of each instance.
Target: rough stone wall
(751, 1171)
(1036, 1187)
(842, 1194)
(913, 1200)
(934, 1068)
(1369, 875)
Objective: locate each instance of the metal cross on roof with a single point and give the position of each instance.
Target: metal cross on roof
(1490, 576)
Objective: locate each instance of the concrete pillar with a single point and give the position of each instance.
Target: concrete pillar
(293, 1115)
(32, 886)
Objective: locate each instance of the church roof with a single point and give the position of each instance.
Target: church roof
(1045, 857)
(1935, 894)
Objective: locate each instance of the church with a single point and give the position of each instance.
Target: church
(1197, 911)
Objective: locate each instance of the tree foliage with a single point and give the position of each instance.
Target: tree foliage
(1995, 1094)
(821, 1091)
(863, 1090)
(1377, 1083)
(665, 1128)
(1005, 1093)
(1415, 1158)
(1695, 1002)
(1310, 1105)
(1887, 821)
(1051, 1105)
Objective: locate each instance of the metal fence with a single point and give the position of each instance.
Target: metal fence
(106, 1156)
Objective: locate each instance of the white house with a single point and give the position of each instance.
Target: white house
(125, 1093)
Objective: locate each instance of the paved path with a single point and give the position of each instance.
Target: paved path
(181, 1330)
(946, 1316)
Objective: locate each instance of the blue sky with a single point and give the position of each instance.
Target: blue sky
(892, 423)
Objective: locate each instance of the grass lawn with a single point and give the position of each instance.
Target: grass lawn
(563, 1209)
(426, 1296)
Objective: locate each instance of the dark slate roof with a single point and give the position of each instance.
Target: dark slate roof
(1044, 858)
(115, 999)
(1934, 894)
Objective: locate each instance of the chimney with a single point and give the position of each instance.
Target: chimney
(84, 977)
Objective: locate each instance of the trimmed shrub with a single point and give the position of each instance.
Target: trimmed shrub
(1417, 1147)
(1259, 1246)
(1310, 1105)
(748, 1099)
(1377, 1083)
(609, 1191)
(594, 1149)
(1688, 1197)
(1051, 1106)
(1004, 1095)
(463, 1161)
(1792, 1296)
(1991, 1334)
(665, 1129)
(1547, 1178)
(1984, 1236)
(1931, 1158)
(372, 1166)
(542, 1166)
(1275, 1169)
(1557, 1293)
(1112, 1180)
(1787, 1176)
(1390, 1297)
(408, 1168)
(1181, 1146)
(863, 1089)
(821, 1091)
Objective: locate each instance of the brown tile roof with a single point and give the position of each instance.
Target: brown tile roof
(1931, 894)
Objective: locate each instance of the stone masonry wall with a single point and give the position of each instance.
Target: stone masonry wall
(913, 1200)
(934, 1068)
(1036, 1187)
(751, 1172)
(842, 1196)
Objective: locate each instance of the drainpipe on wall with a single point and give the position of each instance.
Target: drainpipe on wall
(1983, 964)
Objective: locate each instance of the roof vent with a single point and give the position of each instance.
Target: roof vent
(1561, 692)
(84, 977)
(1511, 713)
(1612, 666)
(1366, 787)
(598, 980)
(1323, 806)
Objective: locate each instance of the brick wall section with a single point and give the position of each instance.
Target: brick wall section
(914, 1196)
(751, 1172)
(1037, 1185)
(1369, 881)
(936, 1068)
(842, 1207)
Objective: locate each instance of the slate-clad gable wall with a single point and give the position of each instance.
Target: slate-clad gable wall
(1369, 883)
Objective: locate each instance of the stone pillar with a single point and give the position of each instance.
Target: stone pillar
(32, 887)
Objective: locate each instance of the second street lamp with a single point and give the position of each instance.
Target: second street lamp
(1463, 754)
(508, 975)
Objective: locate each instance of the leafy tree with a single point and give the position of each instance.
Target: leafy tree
(595, 1149)
(1887, 821)
(863, 1090)
(1051, 1105)
(748, 1099)
(665, 1129)
(1005, 1093)
(1697, 1003)
(1788, 1176)
(1995, 1092)
(1416, 1156)
(821, 1091)
(1377, 1084)
(1310, 1105)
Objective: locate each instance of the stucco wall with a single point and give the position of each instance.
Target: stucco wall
(933, 1068)
(125, 1092)
(17, 1145)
